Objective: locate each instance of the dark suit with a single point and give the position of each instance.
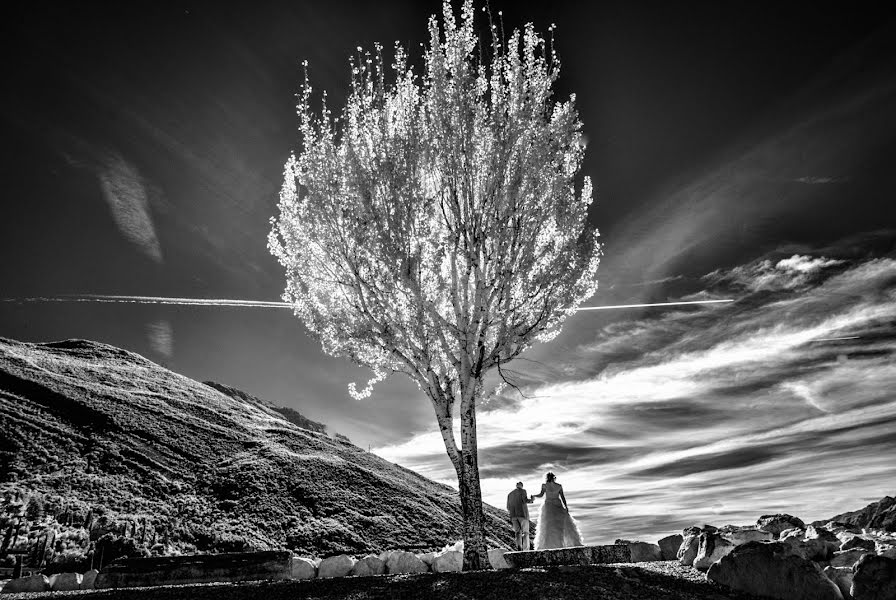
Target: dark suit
(517, 507)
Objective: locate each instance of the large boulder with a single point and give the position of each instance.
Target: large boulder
(88, 580)
(847, 558)
(426, 558)
(669, 546)
(858, 542)
(447, 561)
(35, 583)
(400, 561)
(496, 558)
(742, 535)
(713, 546)
(842, 578)
(795, 532)
(65, 582)
(302, 568)
(645, 552)
(769, 569)
(776, 524)
(690, 544)
(814, 549)
(823, 536)
(336, 566)
(874, 578)
(369, 565)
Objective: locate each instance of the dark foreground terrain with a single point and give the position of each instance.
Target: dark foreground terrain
(648, 581)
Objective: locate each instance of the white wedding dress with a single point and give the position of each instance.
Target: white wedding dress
(555, 528)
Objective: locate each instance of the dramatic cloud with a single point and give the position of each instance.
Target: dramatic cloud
(718, 413)
(128, 202)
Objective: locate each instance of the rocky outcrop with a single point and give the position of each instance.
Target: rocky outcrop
(877, 515)
(874, 578)
(776, 524)
(713, 546)
(769, 569)
(669, 546)
(88, 581)
(847, 558)
(690, 544)
(742, 535)
(858, 542)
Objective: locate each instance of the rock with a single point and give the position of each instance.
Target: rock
(195, 568)
(713, 546)
(65, 582)
(450, 560)
(776, 524)
(795, 532)
(35, 583)
(747, 534)
(820, 533)
(369, 565)
(769, 569)
(874, 578)
(847, 558)
(405, 562)
(858, 542)
(690, 544)
(669, 546)
(496, 558)
(576, 555)
(426, 558)
(88, 580)
(886, 550)
(302, 568)
(336, 566)
(842, 578)
(644, 552)
(813, 549)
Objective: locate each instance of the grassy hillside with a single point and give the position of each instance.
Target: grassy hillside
(100, 444)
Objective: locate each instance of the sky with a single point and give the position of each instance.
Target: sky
(740, 150)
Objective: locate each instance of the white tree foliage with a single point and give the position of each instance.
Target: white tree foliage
(434, 228)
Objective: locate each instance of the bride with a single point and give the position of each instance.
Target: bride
(555, 528)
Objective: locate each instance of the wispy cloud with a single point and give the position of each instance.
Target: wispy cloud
(719, 414)
(128, 202)
(161, 337)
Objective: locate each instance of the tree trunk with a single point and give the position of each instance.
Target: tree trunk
(475, 549)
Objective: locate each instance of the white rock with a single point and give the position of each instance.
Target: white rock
(88, 580)
(712, 547)
(447, 561)
(858, 542)
(369, 565)
(302, 568)
(496, 558)
(690, 544)
(427, 558)
(400, 561)
(65, 582)
(644, 552)
(336, 566)
(796, 532)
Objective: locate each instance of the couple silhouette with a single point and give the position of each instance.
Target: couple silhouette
(555, 527)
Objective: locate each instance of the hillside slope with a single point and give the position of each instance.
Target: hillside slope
(877, 515)
(112, 440)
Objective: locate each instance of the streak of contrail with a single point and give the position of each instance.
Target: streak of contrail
(835, 339)
(269, 304)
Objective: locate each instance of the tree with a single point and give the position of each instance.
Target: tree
(434, 229)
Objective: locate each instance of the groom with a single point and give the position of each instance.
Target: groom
(519, 515)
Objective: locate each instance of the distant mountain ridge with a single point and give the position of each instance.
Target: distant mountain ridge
(877, 515)
(291, 415)
(116, 443)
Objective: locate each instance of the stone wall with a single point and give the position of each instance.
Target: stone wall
(579, 555)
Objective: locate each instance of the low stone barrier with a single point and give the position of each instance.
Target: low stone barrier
(200, 568)
(577, 555)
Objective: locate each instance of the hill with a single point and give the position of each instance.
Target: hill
(98, 441)
(877, 515)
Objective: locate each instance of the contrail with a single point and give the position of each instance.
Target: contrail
(836, 339)
(270, 304)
